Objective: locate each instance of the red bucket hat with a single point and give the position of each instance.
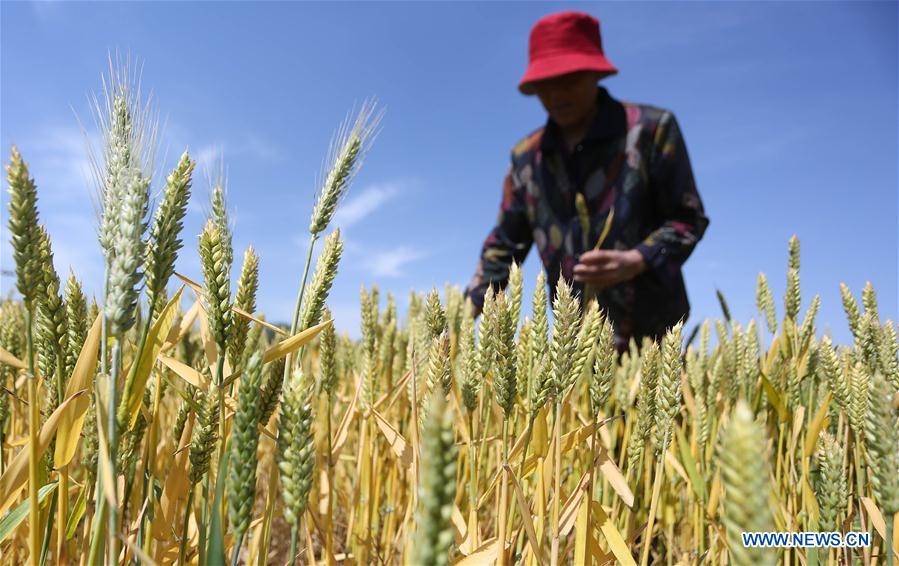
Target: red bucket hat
(564, 43)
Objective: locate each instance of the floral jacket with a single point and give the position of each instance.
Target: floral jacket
(633, 159)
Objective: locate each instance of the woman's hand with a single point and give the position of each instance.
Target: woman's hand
(606, 268)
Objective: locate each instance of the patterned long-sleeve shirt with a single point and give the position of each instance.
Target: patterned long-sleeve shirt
(634, 159)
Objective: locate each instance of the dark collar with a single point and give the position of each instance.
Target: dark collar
(610, 122)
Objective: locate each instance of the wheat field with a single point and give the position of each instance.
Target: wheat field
(167, 422)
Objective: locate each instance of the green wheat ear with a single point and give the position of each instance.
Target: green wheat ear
(270, 391)
(369, 349)
(563, 350)
(831, 486)
(296, 450)
(744, 473)
(829, 365)
(591, 321)
(515, 292)
(668, 392)
(646, 401)
(869, 300)
(539, 324)
(764, 299)
(205, 435)
(603, 367)
(471, 372)
(244, 442)
(219, 213)
(126, 197)
(164, 242)
(487, 332)
(523, 356)
(76, 321)
(505, 383)
(245, 299)
(793, 296)
(859, 391)
(318, 289)
(882, 445)
(388, 334)
(793, 262)
(328, 355)
(434, 534)
(889, 354)
(51, 323)
(436, 315)
(217, 283)
(850, 307)
(23, 228)
(696, 376)
(348, 150)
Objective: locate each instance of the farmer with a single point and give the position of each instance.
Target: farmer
(626, 162)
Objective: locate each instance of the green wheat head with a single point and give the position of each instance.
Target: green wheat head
(328, 355)
(471, 369)
(245, 299)
(165, 242)
(564, 342)
(347, 153)
(744, 474)
(505, 383)
(205, 436)
(23, 228)
(76, 321)
(434, 533)
(296, 450)
(764, 300)
(318, 289)
(217, 283)
(668, 393)
(831, 489)
(244, 442)
(882, 445)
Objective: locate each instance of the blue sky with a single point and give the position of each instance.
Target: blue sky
(789, 111)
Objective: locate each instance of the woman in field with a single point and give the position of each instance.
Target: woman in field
(599, 169)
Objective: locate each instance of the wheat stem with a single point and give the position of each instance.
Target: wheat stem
(33, 462)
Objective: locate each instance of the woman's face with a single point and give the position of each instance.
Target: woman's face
(568, 99)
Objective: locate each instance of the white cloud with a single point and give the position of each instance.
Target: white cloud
(207, 156)
(57, 158)
(390, 263)
(363, 204)
(260, 148)
(75, 247)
